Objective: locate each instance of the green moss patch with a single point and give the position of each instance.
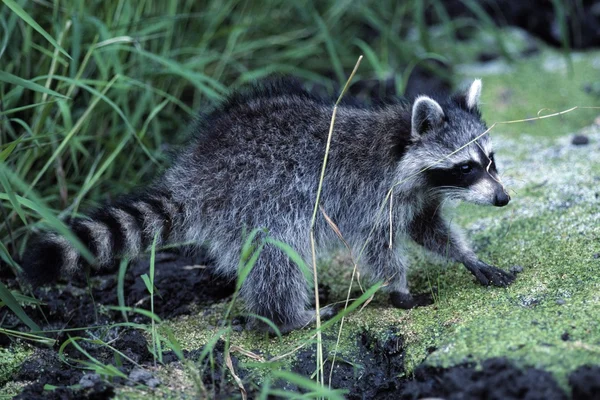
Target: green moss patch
(11, 359)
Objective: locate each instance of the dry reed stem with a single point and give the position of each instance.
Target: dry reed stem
(320, 375)
(337, 231)
(237, 379)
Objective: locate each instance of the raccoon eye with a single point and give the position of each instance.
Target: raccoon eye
(465, 168)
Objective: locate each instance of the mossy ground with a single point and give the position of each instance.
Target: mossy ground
(10, 361)
(546, 318)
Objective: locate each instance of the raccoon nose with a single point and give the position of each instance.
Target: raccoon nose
(501, 198)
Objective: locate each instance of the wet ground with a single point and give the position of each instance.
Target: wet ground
(183, 282)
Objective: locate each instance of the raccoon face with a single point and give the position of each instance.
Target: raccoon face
(472, 180)
(460, 164)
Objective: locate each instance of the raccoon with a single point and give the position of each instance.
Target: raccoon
(255, 162)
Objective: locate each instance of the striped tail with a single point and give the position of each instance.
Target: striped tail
(123, 229)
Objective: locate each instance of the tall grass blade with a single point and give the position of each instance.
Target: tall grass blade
(331, 48)
(353, 306)
(121, 286)
(7, 298)
(486, 20)
(36, 205)
(419, 16)
(149, 281)
(294, 257)
(78, 125)
(560, 11)
(136, 310)
(248, 257)
(17, 9)
(4, 255)
(320, 361)
(28, 106)
(15, 80)
(31, 337)
(11, 197)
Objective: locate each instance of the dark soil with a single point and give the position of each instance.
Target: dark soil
(540, 18)
(373, 371)
(181, 282)
(585, 382)
(497, 379)
(45, 368)
(377, 372)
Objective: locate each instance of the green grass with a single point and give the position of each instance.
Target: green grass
(524, 322)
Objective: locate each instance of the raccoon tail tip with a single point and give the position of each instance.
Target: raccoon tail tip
(47, 258)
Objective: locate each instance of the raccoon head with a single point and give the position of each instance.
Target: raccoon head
(445, 138)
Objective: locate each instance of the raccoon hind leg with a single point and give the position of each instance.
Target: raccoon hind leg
(276, 289)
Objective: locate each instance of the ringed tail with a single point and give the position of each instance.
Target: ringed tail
(125, 228)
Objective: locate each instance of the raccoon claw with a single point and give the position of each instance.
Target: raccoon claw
(488, 275)
(407, 301)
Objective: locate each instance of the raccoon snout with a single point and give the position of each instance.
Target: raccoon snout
(501, 198)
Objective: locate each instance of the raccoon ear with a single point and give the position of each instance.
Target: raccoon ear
(427, 114)
(472, 97)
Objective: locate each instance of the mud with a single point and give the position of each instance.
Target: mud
(45, 368)
(585, 382)
(368, 374)
(181, 281)
(376, 371)
(373, 377)
(497, 379)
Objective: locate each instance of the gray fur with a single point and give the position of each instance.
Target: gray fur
(255, 163)
(101, 235)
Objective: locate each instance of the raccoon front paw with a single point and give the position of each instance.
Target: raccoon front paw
(488, 275)
(407, 300)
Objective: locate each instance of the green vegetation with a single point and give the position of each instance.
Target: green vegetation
(92, 113)
(10, 361)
